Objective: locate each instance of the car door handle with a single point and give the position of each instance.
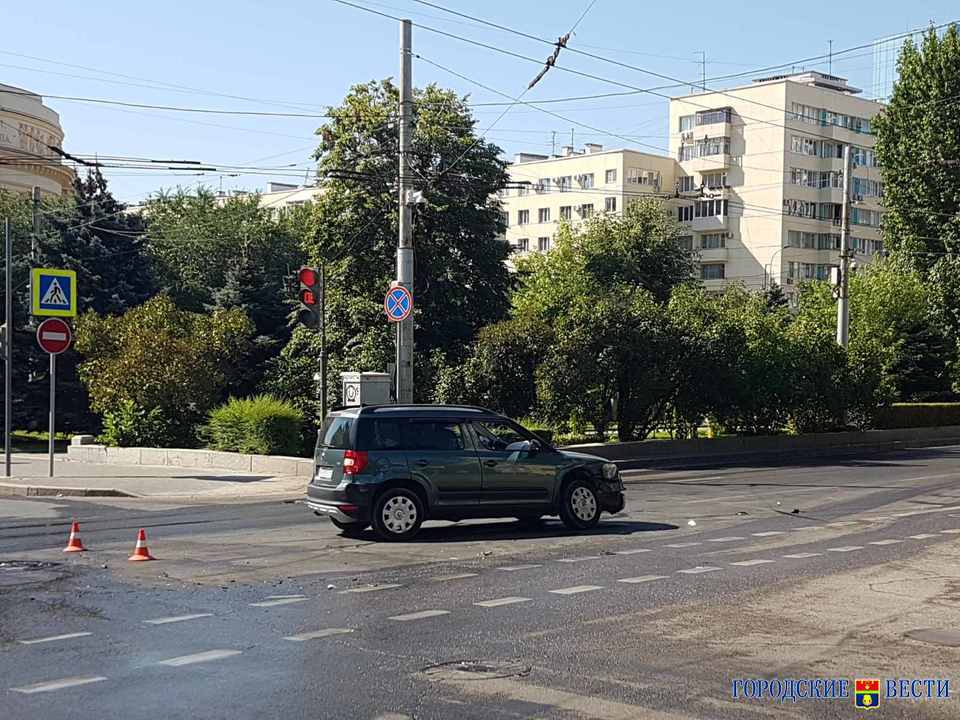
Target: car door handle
(422, 463)
(490, 463)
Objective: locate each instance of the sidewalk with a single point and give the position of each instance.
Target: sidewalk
(76, 479)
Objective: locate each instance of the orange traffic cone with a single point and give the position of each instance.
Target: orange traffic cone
(74, 544)
(140, 552)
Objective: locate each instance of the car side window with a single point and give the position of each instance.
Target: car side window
(493, 435)
(435, 435)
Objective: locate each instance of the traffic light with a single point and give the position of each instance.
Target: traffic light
(311, 288)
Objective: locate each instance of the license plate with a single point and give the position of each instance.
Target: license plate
(323, 474)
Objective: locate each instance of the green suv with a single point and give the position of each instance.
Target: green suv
(394, 466)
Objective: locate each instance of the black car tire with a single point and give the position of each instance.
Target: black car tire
(349, 529)
(531, 521)
(580, 505)
(392, 526)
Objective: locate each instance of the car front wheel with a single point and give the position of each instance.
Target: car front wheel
(398, 514)
(580, 506)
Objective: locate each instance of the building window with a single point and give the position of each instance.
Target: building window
(523, 217)
(713, 146)
(566, 212)
(564, 183)
(710, 208)
(712, 271)
(686, 123)
(505, 217)
(586, 210)
(800, 208)
(610, 204)
(685, 242)
(715, 180)
(685, 213)
(611, 177)
(686, 152)
(523, 190)
(832, 212)
(543, 244)
(686, 184)
(713, 241)
(710, 117)
(523, 244)
(638, 176)
(543, 215)
(543, 185)
(585, 180)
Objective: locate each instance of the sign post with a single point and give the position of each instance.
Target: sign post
(398, 304)
(54, 337)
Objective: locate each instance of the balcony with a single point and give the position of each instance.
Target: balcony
(713, 255)
(709, 223)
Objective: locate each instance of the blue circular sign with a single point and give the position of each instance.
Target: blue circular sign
(398, 303)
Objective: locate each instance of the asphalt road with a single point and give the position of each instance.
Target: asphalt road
(261, 610)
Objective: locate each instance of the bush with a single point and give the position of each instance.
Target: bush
(262, 425)
(130, 425)
(910, 415)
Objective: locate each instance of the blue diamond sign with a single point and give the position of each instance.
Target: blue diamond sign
(53, 292)
(398, 303)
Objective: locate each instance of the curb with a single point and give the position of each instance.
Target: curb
(13, 490)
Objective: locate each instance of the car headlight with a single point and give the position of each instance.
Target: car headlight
(610, 471)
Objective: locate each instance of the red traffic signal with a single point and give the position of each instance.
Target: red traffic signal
(308, 276)
(308, 297)
(311, 289)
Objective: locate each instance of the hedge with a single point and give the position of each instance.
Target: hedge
(262, 425)
(911, 415)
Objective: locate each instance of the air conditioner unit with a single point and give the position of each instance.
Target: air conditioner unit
(729, 236)
(686, 136)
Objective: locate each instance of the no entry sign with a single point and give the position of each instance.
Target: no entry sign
(54, 336)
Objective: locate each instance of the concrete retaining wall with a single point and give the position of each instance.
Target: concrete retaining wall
(667, 453)
(270, 465)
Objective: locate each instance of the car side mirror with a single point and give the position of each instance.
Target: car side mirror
(536, 447)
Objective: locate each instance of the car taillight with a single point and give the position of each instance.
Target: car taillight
(354, 461)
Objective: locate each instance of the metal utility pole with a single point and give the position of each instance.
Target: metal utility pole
(35, 239)
(7, 345)
(323, 340)
(703, 69)
(843, 304)
(405, 247)
(53, 410)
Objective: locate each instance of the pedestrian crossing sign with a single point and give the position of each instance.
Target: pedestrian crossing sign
(53, 292)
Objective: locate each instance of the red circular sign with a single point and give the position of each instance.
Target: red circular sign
(54, 335)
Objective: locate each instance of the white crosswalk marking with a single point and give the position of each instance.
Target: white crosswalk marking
(514, 568)
(371, 588)
(327, 632)
(634, 551)
(501, 601)
(727, 539)
(842, 523)
(954, 531)
(699, 569)
(420, 615)
(177, 618)
(845, 548)
(54, 638)
(641, 579)
(199, 658)
(278, 601)
(768, 534)
(801, 556)
(576, 589)
(682, 545)
(447, 578)
(579, 559)
(922, 536)
(808, 527)
(884, 542)
(749, 563)
(52, 685)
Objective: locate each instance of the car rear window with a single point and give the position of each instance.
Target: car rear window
(335, 432)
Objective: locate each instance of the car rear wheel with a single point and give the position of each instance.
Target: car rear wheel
(398, 514)
(580, 506)
(349, 529)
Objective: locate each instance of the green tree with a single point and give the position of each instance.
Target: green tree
(918, 143)
(168, 364)
(460, 280)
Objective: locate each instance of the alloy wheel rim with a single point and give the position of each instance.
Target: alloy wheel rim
(583, 503)
(399, 514)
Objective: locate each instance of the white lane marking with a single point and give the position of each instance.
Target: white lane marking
(808, 527)
(748, 563)
(884, 542)
(842, 523)
(371, 588)
(420, 615)
(634, 551)
(727, 539)
(682, 545)
(278, 601)
(199, 658)
(514, 568)
(576, 589)
(698, 569)
(954, 531)
(54, 638)
(501, 601)
(641, 579)
(579, 559)
(769, 534)
(446, 578)
(177, 618)
(327, 632)
(801, 556)
(58, 684)
(845, 548)
(922, 536)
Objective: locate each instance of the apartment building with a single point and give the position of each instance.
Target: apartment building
(760, 168)
(573, 186)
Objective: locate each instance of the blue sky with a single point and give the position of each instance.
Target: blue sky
(302, 56)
